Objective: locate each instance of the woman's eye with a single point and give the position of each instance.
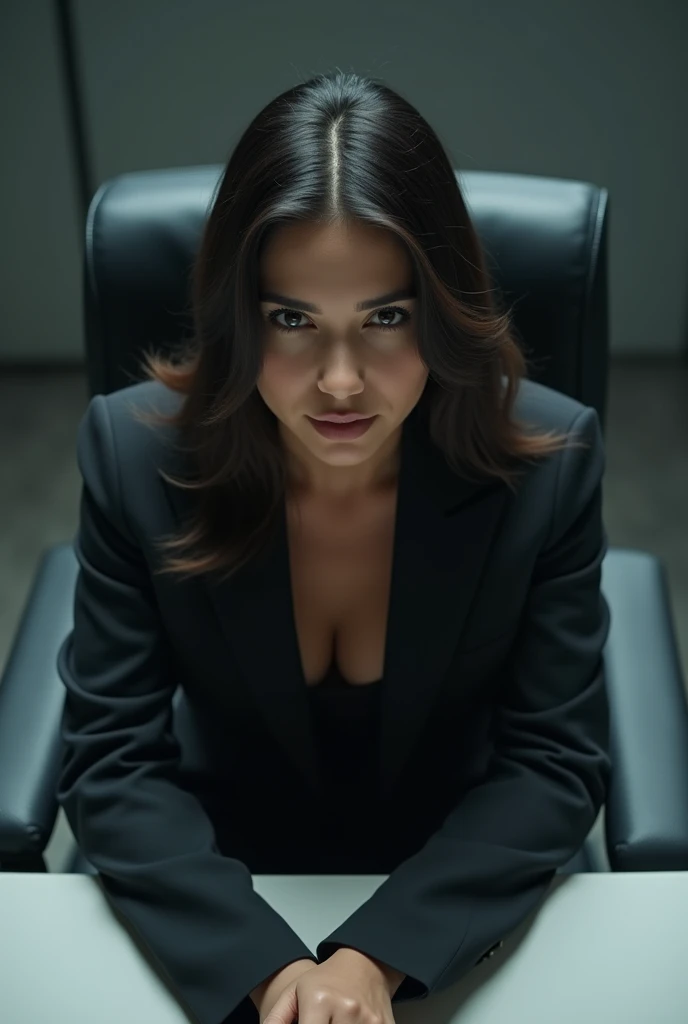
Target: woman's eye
(388, 314)
(290, 314)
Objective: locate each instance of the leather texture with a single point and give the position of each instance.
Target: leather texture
(647, 812)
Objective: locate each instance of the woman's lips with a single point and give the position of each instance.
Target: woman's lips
(342, 431)
(347, 417)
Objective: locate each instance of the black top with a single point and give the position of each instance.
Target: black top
(334, 680)
(346, 720)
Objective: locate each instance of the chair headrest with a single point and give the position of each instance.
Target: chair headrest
(545, 241)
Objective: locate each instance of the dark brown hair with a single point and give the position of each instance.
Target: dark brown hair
(335, 148)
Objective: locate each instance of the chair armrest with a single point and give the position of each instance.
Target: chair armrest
(646, 815)
(31, 703)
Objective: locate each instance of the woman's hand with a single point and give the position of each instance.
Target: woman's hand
(348, 988)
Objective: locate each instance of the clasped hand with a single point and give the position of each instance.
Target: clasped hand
(347, 988)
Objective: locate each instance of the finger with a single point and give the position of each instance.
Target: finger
(285, 1010)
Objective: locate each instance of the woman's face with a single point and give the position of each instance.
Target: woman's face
(339, 357)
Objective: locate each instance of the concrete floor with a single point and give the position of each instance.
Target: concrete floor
(645, 498)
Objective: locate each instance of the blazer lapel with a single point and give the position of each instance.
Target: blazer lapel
(444, 527)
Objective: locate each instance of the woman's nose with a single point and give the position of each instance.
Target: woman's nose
(342, 372)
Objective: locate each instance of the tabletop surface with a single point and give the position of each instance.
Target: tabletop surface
(600, 948)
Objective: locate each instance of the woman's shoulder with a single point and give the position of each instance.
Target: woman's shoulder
(148, 396)
(134, 436)
(544, 408)
(114, 442)
(576, 469)
(123, 459)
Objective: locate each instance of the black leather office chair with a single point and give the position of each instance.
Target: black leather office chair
(546, 242)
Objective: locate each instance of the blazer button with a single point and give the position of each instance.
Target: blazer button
(491, 952)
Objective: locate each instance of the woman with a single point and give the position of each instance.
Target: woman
(365, 550)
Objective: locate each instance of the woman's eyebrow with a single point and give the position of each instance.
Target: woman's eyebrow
(284, 300)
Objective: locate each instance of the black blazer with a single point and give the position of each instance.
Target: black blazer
(493, 756)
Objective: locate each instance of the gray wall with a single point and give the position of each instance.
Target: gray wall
(593, 90)
(40, 261)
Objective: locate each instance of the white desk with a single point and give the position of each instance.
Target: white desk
(602, 949)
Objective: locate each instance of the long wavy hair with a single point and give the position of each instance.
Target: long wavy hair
(334, 149)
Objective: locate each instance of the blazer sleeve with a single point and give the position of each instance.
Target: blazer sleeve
(485, 869)
(194, 910)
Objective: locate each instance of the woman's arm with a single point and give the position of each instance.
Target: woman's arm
(490, 863)
(149, 838)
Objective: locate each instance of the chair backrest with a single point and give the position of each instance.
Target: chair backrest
(545, 241)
